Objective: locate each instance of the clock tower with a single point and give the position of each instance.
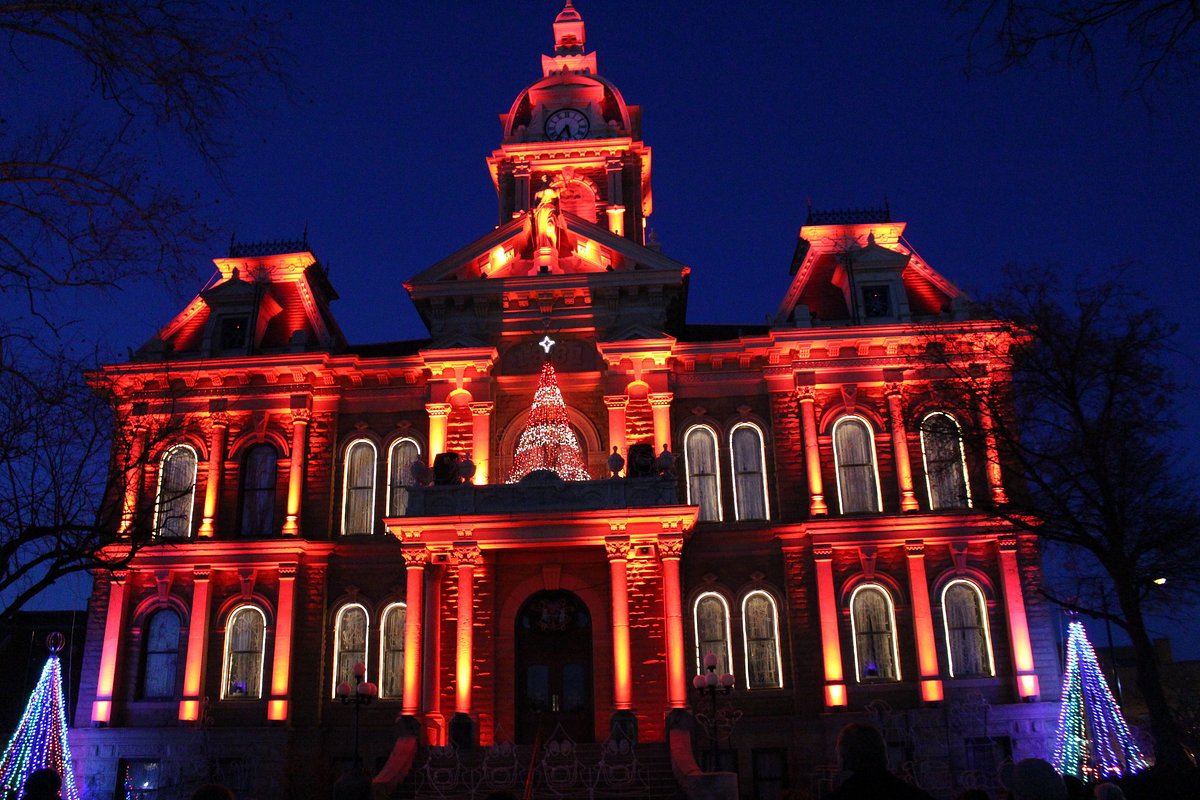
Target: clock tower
(572, 131)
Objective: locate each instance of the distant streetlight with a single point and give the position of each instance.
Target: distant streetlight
(1160, 581)
(360, 694)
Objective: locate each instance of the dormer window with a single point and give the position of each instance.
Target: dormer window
(877, 301)
(232, 334)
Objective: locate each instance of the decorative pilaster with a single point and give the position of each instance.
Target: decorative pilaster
(439, 418)
(415, 558)
(216, 468)
(300, 419)
(831, 648)
(521, 186)
(616, 403)
(467, 556)
(617, 549)
(109, 654)
(133, 479)
(918, 587)
(277, 708)
(991, 449)
(193, 669)
(481, 437)
(1018, 624)
(807, 396)
(908, 499)
(670, 548)
(660, 407)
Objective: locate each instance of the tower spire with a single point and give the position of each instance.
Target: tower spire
(569, 37)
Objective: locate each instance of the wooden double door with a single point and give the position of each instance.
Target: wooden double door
(554, 667)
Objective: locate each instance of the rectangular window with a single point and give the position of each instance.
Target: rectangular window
(138, 779)
(232, 334)
(770, 773)
(877, 301)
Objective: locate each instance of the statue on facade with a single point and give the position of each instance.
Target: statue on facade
(615, 463)
(641, 461)
(665, 463)
(546, 218)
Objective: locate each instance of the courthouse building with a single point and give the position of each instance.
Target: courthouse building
(822, 528)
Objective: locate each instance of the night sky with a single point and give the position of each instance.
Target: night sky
(751, 110)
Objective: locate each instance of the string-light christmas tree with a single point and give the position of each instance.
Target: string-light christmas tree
(1093, 739)
(548, 441)
(41, 737)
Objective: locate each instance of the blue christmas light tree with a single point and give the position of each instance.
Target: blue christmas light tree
(41, 737)
(1093, 739)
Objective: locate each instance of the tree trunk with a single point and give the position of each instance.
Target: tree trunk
(1169, 752)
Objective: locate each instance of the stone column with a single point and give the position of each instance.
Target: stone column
(918, 587)
(617, 548)
(281, 666)
(831, 646)
(291, 524)
(660, 406)
(193, 669)
(415, 558)
(987, 424)
(807, 396)
(110, 653)
(439, 417)
(133, 479)
(481, 439)
(670, 548)
(908, 500)
(1018, 624)
(216, 468)
(616, 403)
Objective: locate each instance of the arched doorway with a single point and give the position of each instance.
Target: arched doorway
(554, 666)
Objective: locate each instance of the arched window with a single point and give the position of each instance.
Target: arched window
(161, 655)
(245, 649)
(391, 651)
(258, 491)
(749, 473)
(968, 639)
(873, 626)
(945, 467)
(712, 631)
(358, 489)
(176, 493)
(760, 626)
(854, 458)
(349, 643)
(703, 471)
(401, 456)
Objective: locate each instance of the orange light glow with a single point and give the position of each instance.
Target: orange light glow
(830, 646)
(673, 608)
(927, 658)
(216, 461)
(931, 691)
(108, 654)
(1018, 625)
(812, 457)
(102, 711)
(281, 668)
(835, 694)
(462, 664)
(439, 418)
(481, 435)
(291, 524)
(412, 636)
(277, 710)
(908, 500)
(189, 710)
(1028, 685)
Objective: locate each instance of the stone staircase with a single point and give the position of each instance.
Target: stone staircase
(564, 771)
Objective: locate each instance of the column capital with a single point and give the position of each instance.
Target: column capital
(614, 402)
(288, 570)
(438, 409)
(201, 572)
(480, 408)
(219, 419)
(1007, 542)
(467, 555)
(914, 548)
(415, 557)
(616, 548)
(670, 547)
(822, 552)
(301, 416)
(806, 394)
(660, 399)
(520, 169)
(893, 388)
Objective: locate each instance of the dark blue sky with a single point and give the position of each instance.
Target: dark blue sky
(751, 110)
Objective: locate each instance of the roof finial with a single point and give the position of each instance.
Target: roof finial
(568, 31)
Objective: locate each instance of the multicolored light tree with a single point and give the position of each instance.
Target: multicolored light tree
(41, 737)
(1093, 738)
(548, 441)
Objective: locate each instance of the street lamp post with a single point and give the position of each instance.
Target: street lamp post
(709, 685)
(358, 695)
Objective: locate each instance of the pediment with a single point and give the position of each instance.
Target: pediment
(635, 332)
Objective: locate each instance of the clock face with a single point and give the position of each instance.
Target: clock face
(566, 124)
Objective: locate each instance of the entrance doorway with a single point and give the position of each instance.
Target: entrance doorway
(554, 667)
